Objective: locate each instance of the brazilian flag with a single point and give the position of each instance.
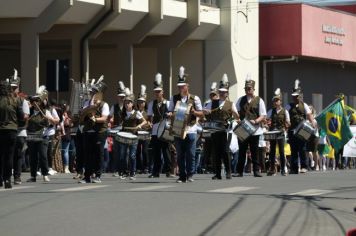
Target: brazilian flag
(333, 123)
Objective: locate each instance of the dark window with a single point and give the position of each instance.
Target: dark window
(209, 2)
(63, 75)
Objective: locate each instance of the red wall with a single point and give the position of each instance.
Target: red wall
(347, 8)
(280, 30)
(297, 30)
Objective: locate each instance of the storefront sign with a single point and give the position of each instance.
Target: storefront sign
(333, 34)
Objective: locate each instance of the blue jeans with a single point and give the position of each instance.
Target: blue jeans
(131, 148)
(186, 155)
(65, 152)
(234, 161)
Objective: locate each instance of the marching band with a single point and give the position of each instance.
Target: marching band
(136, 126)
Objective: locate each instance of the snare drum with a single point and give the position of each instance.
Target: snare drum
(304, 131)
(273, 135)
(163, 132)
(34, 137)
(113, 132)
(143, 135)
(244, 130)
(126, 138)
(181, 117)
(214, 126)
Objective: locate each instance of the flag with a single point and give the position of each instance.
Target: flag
(333, 123)
(350, 113)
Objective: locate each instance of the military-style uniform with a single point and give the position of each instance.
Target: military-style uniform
(220, 143)
(278, 122)
(10, 113)
(158, 111)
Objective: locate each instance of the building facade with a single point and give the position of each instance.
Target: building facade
(129, 40)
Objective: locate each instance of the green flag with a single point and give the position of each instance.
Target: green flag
(333, 123)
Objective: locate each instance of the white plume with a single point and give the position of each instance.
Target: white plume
(248, 77)
(224, 79)
(213, 86)
(100, 79)
(121, 85)
(143, 89)
(127, 92)
(15, 74)
(181, 72)
(277, 92)
(41, 89)
(7, 80)
(92, 82)
(158, 78)
(296, 84)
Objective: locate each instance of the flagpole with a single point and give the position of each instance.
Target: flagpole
(331, 104)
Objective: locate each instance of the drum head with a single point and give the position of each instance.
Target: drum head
(126, 135)
(142, 132)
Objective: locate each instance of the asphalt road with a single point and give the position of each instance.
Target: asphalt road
(310, 204)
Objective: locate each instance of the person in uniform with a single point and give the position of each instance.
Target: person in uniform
(38, 122)
(10, 113)
(96, 113)
(133, 120)
(142, 147)
(221, 111)
(207, 161)
(21, 131)
(298, 111)
(116, 112)
(253, 109)
(186, 146)
(157, 110)
(277, 120)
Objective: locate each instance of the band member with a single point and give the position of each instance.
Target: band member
(156, 113)
(208, 143)
(116, 112)
(253, 109)
(142, 147)
(66, 138)
(21, 131)
(132, 121)
(278, 120)
(95, 114)
(298, 111)
(186, 147)
(10, 113)
(221, 111)
(37, 143)
(50, 132)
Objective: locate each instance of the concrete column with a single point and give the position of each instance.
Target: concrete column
(125, 60)
(164, 66)
(233, 47)
(29, 62)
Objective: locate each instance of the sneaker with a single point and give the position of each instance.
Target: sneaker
(66, 170)
(240, 175)
(46, 178)
(133, 177)
(181, 180)
(257, 174)
(324, 168)
(303, 170)
(215, 177)
(51, 171)
(31, 180)
(190, 179)
(96, 180)
(153, 176)
(17, 181)
(8, 184)
(168, 175)
(271, 173)
(312, 163)
(115, 175)
(84, 181)
(228, 176)
(78, 176)
(122, 177)
(284, 174)
(38, 173)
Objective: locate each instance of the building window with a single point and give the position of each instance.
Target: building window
(57, 75)
(209, 2)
